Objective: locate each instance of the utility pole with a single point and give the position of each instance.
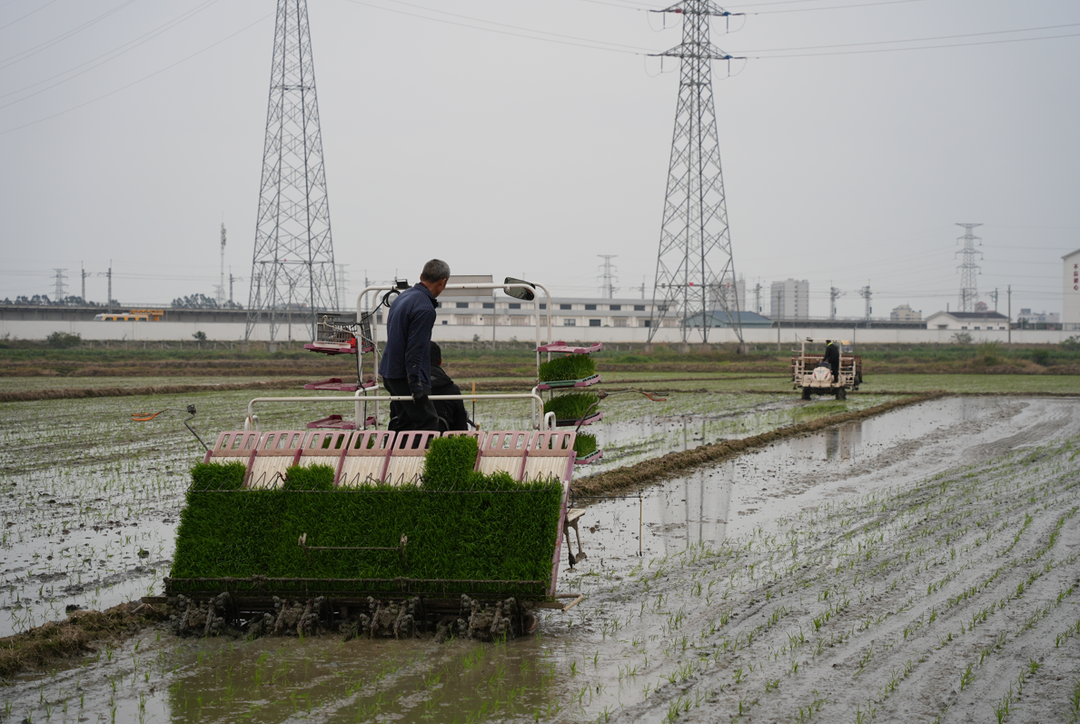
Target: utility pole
(293, 261)
(108, 275)
(757, 297)
(607, 291)
(994, 295)
(865, 294)
(341, 286)
(969, 270)
(1010, 314)
(694, 259)
(61, 288)
(84, 275)
(643, 287)
(232, 280)
(835, 294)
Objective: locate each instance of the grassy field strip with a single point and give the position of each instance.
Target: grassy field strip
(882, 589)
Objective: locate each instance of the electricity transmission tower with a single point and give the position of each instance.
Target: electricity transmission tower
(969, 269)
(293, 266)
(607, 289)
(694, 267)
(61, 288)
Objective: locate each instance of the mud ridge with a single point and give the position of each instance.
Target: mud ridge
(62, 639)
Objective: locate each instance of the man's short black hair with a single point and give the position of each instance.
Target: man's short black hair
(436, 354)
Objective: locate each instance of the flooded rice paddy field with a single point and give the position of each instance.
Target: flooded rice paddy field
(90, 500)
(914, 566)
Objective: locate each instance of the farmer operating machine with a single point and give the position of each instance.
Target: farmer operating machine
(346, 524)
(811, 373)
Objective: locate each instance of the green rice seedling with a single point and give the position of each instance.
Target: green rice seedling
(967, 678)
(212, 476)
(585, 445)
(1074, 703)
(315, 477)
(569, 367)
(571, 406)
(449, 463)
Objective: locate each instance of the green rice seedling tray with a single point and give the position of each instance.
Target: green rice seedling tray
(455, 532)
(553, 384)
(590, 458)
(565, 348)
(595, 417)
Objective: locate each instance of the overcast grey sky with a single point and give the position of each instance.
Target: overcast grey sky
(512, 138)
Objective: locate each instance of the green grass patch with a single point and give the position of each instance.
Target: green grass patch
(569, 367)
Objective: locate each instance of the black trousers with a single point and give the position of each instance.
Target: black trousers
(409, 415)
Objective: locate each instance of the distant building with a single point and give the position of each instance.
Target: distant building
(735, 297)
(720, 318)
(967, 321)
(1029, 318)
(790, 299)
(1070, 302)
(904, 313)
(487, 311)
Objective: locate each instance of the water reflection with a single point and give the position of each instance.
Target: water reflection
(278, 680)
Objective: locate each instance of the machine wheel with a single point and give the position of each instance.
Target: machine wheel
(806, 393)
(841, 393)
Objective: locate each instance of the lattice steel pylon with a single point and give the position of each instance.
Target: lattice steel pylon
(969, 270)
(293, 269)
(695, 272)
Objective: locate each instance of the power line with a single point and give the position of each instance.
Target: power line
(837, 7)
(23, 55)
(41, 7)
(924, 47)
(555, 37)
(916, 40)
(110, 55)
(135, 82)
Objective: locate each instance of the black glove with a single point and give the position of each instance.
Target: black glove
(419, 397)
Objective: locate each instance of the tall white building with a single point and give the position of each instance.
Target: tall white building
(904, 313)
(1070, 299)
(790, 299)
(733, 295)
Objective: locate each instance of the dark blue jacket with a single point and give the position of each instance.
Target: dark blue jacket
(408, 339)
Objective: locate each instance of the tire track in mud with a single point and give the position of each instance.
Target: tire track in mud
(945, 600)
